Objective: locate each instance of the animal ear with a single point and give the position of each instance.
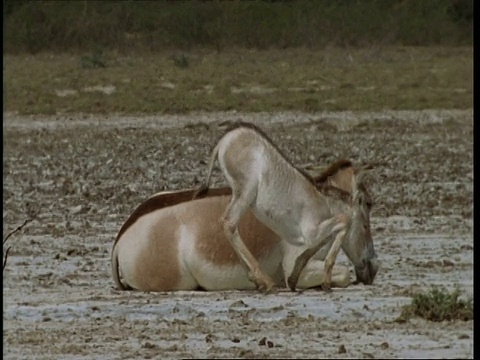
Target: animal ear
(361, 172)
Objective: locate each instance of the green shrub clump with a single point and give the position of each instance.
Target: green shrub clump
(438, 305)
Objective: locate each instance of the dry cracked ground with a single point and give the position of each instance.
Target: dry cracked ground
(80, 177)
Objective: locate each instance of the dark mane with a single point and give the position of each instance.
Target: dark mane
(332, 170)
(335, 192)
(259, 131)
(330, 190)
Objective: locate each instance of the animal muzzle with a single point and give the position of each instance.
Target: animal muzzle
(367, 272)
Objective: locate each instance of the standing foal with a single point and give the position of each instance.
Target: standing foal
(286, 200)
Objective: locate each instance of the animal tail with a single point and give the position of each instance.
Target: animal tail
(204, 186)
(115, 270)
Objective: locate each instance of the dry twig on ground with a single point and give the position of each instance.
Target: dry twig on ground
(10, 234)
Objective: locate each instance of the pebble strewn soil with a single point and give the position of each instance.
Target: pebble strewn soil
(80, 177)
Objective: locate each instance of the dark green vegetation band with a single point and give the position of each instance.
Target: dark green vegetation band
(32, 26)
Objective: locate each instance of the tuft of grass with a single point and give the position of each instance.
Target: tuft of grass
(438, 305)
(181, 61)
(95, 60)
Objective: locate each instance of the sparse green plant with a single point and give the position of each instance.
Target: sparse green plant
(95, 60)
(438, 304)
(180, 61)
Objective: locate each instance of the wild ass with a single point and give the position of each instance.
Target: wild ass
(171, 242)
(288, 202)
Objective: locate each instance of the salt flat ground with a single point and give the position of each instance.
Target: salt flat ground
(82, 175)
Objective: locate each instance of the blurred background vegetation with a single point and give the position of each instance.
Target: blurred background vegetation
(179, 56)
(32, 26)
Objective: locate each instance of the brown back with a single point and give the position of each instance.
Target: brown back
(163, 200)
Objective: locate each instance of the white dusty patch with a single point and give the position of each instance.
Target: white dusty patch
(65, 92)
(366, 88)
(107, 89)
(343, 120)
(260, 90)
(209, 88)
(168, 85)
(256, 90)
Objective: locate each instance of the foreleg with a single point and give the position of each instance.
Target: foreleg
(330, 259)
(326, 228)
(313, 275)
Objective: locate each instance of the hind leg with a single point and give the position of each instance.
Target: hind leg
(231, 218)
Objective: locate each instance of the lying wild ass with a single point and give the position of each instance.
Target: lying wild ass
(287, 201)
(173, 243)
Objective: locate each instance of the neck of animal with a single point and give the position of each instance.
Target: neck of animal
(337, 201)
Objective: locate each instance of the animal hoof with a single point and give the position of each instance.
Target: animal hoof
(270, 287)
(266, 286)
(292, 283)
(266, 289)
(271, 290)
(262, 283)
(326, 287)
